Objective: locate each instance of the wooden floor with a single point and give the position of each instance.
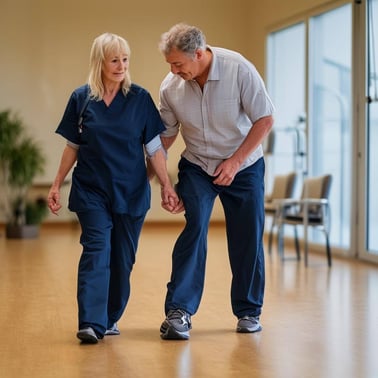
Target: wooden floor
(317, 322)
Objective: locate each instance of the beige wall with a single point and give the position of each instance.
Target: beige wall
(45, 47)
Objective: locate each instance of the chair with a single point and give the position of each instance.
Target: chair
(283, 187)
(312, 210)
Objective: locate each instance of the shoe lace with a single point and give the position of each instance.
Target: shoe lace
(253, 319)
(178, 314)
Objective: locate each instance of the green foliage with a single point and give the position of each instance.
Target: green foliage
(35, 211)
(25, 163)
(21, 160)
(10, 129)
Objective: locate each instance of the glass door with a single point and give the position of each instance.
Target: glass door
(310, 82)
(368, 240)
(287, 87)
(329, 115)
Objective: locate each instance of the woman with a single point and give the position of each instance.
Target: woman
(109, 125)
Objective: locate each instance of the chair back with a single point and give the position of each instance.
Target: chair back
(283, 186)
(317, 187)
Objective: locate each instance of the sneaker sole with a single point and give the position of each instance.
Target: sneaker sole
(112, 333)
(248, 330)
(170, 333)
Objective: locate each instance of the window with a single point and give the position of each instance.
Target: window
(313, 119)
(329, 123)
(372, 128)
(286, 85)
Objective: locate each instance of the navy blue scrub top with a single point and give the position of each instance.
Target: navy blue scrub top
(110, 171)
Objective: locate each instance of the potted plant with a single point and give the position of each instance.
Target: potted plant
(21, 160)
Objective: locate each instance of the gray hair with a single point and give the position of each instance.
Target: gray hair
(185, 38)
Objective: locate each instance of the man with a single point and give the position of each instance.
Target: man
(218, 101)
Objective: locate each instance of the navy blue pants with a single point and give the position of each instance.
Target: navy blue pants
(243, 204)
(109, 243)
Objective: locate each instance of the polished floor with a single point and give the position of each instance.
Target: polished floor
(318, 322)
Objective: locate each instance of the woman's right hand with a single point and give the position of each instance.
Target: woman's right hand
(53, 200)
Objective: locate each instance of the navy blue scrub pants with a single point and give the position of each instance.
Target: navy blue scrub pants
(109, 243)
(243, 204)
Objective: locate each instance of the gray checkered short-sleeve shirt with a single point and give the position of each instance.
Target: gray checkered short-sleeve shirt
(214, 122)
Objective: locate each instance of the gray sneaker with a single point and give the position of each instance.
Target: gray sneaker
(113, 330)
(87, 336)
(248, 324)
(176, 325)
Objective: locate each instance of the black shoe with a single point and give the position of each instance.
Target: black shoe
(176, 326)
(87, 336)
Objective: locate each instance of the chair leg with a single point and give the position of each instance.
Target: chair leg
(305, 253)
(270, 241)
(280, 241)
(296, 240)
(329, 258)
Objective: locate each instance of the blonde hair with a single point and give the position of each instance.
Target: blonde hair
(104, 45)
